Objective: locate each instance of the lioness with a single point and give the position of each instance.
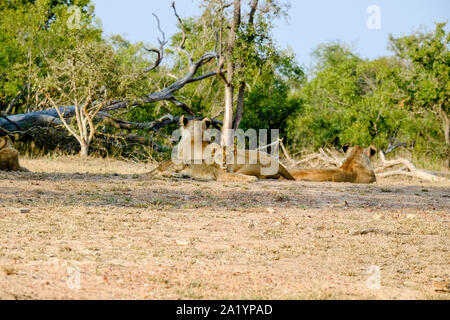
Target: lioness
(201, 171)
(9, 157)
(357, 168)
(191, 160)
(198, 158)
(254, 163)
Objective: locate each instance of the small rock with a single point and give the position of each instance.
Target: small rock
(404, 271)
(23, 210)
(182, 243)
(437, 279)
(411, 216)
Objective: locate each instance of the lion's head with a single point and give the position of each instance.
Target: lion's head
(194, 139)
(359, 160)
(195, 129)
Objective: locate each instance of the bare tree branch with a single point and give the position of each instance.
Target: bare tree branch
(160, 52)
(157, 62)
(154, 125)
(407, 169)
(14, 100)
(395, 146)
(181, 46)
(183, 29)
(253, 8)
(10, 122)
(182, 106)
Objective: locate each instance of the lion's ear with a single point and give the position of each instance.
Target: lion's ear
(207, 122)
(345, 148)
(372, 151)
(184, 121)
(3, 142)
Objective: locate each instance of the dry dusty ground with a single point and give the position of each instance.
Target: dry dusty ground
(133, 237)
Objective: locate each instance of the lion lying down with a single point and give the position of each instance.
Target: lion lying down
(202, 162)
(357, 168)
(9, 157)
(201, 171)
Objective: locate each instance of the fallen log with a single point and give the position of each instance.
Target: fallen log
(407, 169)
(49, 118)
(43, 118)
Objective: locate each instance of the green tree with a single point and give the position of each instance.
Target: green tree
(426, 57)
(31, 33)
(357, 101)
(87, 77)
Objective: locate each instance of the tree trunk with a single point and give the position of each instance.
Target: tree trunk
(446, 124)
(239, 107)
(84, 152)
(227, 129)
(446, 128)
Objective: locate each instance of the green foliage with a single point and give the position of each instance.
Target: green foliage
(267, 106)
(429, 54)
(32, 33)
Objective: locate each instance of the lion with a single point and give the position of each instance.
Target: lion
(9, 157)
(357, 168)
(201, 171)
(254, 163)
(198, 158)
(191, 160)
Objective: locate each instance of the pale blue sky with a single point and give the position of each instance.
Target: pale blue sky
(309, 24)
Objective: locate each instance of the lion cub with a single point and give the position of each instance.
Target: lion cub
(357, 168)
(9, 157)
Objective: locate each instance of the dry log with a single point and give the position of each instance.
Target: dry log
(323, 158)
(407, 169)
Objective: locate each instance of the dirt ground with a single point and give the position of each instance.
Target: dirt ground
(102, 229)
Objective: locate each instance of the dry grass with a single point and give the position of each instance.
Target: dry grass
(134, 237)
